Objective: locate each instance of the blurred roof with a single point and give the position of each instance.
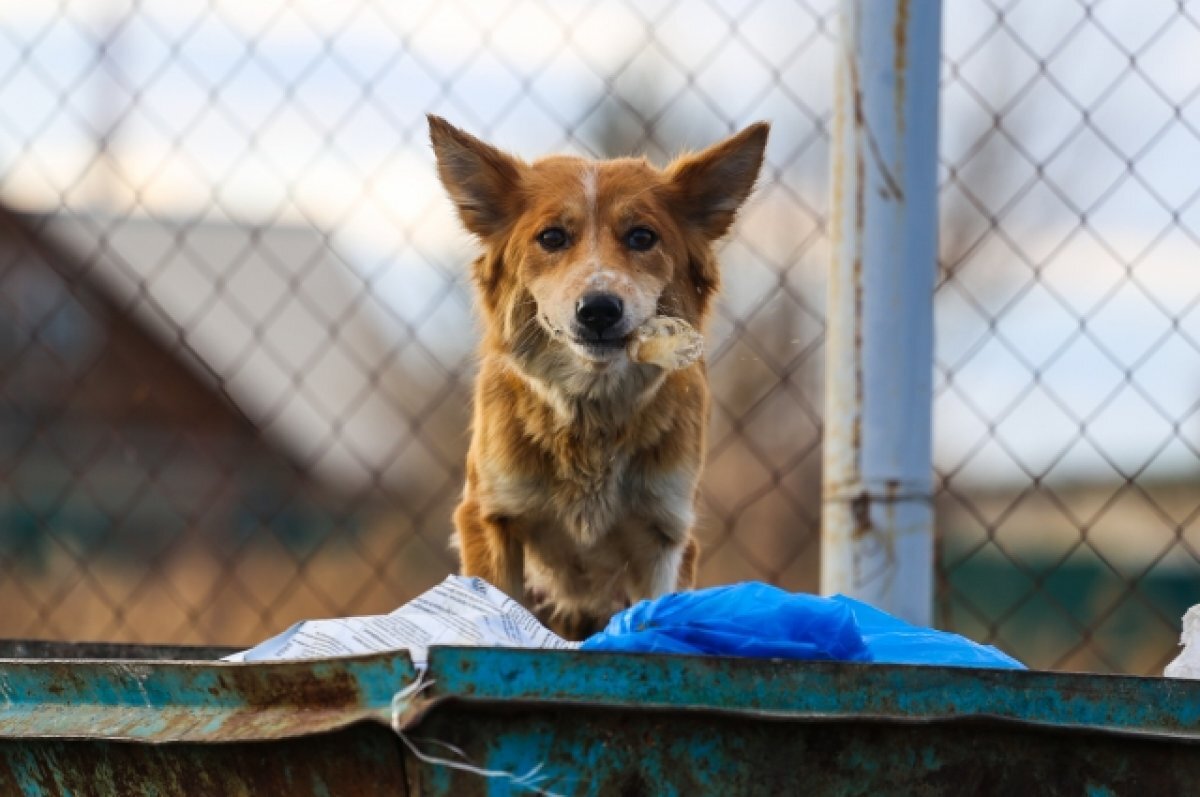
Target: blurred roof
(271, 316)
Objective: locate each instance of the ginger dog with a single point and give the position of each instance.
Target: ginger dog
(591, 402)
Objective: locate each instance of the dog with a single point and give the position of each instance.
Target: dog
(591, 402)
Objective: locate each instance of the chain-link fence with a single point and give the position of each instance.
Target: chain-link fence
(1067, 368)
(236, 341)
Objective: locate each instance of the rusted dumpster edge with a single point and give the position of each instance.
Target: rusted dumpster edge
(154, 701)
(806, 691)
(414, 715)
(214, 702)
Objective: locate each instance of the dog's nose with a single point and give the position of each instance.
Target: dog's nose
(599, 312)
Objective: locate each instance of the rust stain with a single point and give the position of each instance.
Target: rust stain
(891, 186)
(860, 510)
(860, 213)
(900, 62)
(856, 430)
(860, 507)
(837, 217)
(284, 685)
(890, 496)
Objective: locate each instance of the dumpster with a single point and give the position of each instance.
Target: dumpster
(133, 720)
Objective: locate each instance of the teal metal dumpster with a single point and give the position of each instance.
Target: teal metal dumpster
(119, 720)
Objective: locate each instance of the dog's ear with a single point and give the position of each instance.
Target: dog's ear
(711, 185)
(481, 180)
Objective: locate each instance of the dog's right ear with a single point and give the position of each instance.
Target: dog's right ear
(482, 180)
(711, 185)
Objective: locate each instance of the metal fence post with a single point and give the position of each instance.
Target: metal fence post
(877, 524)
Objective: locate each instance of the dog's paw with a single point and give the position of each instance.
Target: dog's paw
(669, 343)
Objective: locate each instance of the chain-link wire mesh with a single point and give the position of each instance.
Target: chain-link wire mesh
(236, 343)
(1067, 363)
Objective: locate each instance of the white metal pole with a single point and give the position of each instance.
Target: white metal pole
(877, 524)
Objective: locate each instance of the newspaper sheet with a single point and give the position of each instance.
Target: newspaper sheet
(459, 611)
(1187, 664)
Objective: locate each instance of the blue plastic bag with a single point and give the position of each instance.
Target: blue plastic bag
(893, 641)
(761, 621)
(751, 619)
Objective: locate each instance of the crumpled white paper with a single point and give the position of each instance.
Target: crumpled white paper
(1187, 663)
(459, 611)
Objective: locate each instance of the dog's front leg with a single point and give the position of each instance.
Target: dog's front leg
(688, 564)
(489, 550)
(674, 570)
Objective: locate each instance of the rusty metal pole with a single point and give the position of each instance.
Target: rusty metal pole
(877, 524)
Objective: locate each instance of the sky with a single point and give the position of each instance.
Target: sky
(312, 112)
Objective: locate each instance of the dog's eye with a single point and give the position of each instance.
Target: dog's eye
(552, 238)
(639, 239)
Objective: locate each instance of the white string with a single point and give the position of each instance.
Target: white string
(531, 780)
(400, 699)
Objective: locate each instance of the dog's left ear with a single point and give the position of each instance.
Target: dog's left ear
(483, 181)
(711, 185)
